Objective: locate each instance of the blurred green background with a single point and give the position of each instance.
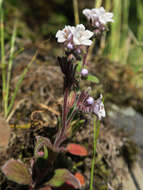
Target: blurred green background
(41, 19)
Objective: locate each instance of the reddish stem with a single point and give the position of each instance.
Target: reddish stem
(64, 118)
(71, 117)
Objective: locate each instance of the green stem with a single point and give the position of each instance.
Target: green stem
(10, 63)
(2, 53)
(19, 83)
(96, 134)
(97, 3)
(116, 29)
(140, 17)
(76, 15)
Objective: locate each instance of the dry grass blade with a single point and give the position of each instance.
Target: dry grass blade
(76, 15)
(49, 109)
(98, 3)
(4, 133)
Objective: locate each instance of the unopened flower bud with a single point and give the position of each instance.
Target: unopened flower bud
(78, 51)
(41, 153)
(70, 46)
(103, 28)
(84, 72)
(90, 100)
(97, 31)
(97, 24)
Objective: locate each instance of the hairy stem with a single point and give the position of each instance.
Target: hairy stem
(64, 118)
(71, 117)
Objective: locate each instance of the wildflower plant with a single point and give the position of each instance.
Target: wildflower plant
(42, 173)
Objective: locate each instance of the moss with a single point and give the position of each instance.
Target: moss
(102, 174)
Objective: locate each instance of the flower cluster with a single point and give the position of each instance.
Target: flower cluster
(98, 108)
(76, 40)
(98, 16)
(87, 104)
(74, 36)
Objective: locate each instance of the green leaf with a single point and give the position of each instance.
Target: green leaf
(79, 67)
(62, 176)
(45, 152)
(92, 78)
(16, 171)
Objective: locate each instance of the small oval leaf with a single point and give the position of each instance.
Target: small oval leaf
(92, 78)
(81, 179)
(16, 171)
(63, 176)
(77, 149)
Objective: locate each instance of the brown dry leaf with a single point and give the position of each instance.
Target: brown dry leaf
(4, 133)
(49, 109)
(21, 126)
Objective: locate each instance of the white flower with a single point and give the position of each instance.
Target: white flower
(75, 36)
(99, 108)
(81, 36)
(103, 16)
(98, 14)
(65, 34)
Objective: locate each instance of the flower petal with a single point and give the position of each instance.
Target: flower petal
(87, 42)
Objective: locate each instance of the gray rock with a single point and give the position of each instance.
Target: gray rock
(130, 120)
